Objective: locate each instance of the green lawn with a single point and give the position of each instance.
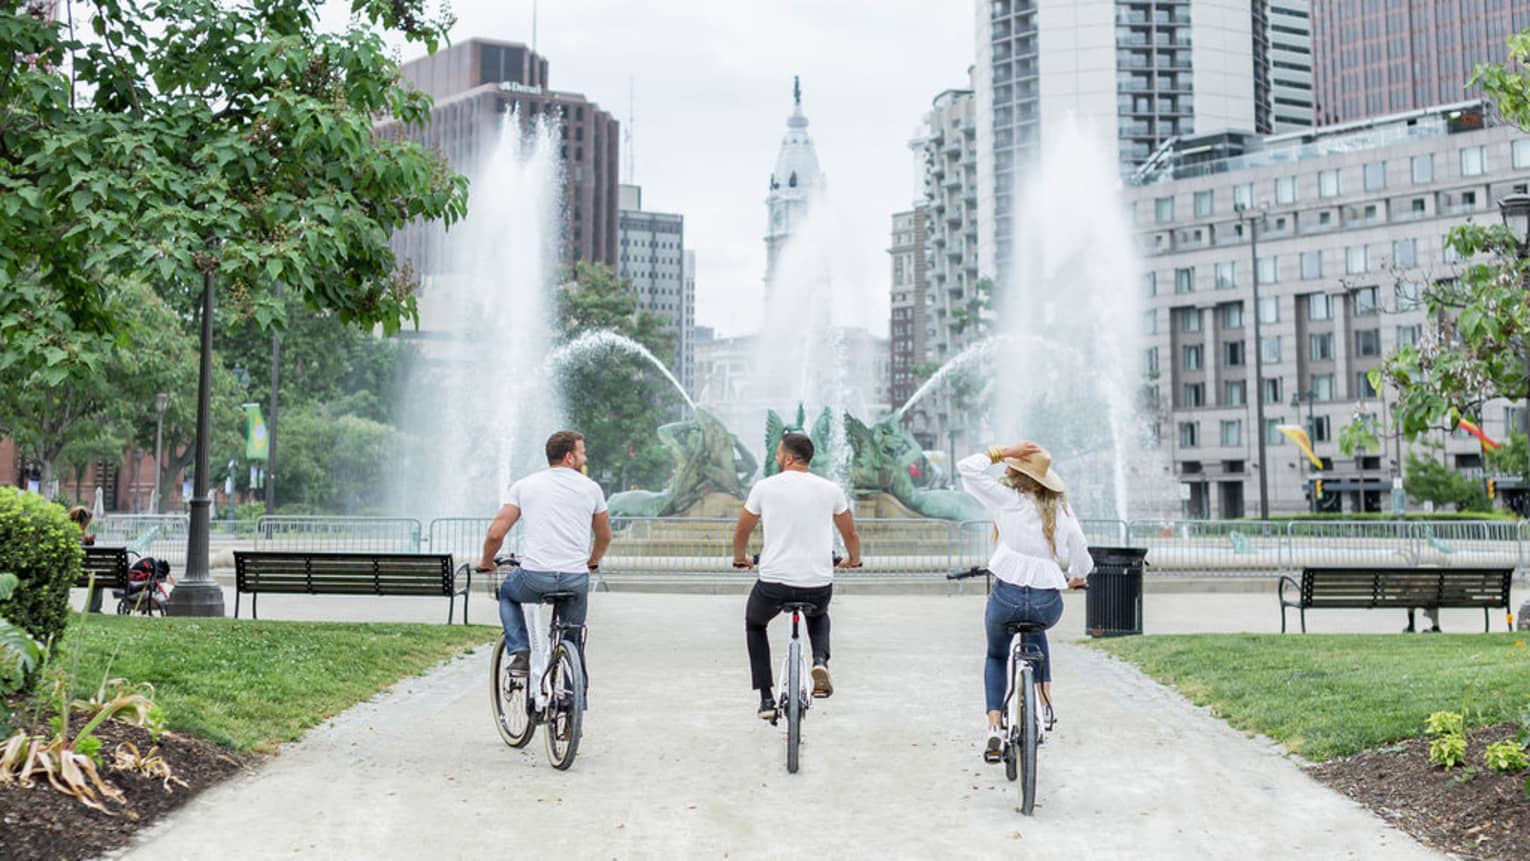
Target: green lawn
(1331, 695)
(249, 684)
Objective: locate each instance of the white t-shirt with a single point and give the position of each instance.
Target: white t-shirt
(797, 511)
(556, 507)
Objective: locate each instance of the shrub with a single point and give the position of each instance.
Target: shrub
(1448, 751)
(42, 548)
(1507, 757)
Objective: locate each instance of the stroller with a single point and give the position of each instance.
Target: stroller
(146, 592)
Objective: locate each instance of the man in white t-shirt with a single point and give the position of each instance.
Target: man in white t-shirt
(558, 508)
(797, 563)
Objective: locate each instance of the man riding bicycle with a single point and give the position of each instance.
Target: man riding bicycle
(559, 509)
(797, 562)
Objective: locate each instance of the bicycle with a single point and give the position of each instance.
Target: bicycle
(1020, 719)
(559, 697)
(796, 696)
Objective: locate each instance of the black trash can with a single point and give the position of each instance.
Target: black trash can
(1113, 606)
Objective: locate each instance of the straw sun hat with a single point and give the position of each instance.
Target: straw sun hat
(1039, 467)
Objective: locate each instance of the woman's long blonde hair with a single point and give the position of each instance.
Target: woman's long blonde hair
(1047, 502)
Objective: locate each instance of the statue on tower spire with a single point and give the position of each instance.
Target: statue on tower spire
(796, 90)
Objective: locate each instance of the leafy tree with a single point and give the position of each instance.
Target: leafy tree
(195, 137)
(1431, 480)
(1476, 347)
(1512, 457)
(334, 462)
(618, 400)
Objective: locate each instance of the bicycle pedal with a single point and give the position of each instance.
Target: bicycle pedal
(820, 695)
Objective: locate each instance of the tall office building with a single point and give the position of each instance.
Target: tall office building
(652, 257)
(906, 327)
(794, 182)
(1138, 71)
(1370, 58)
(1290, 24)
(474, 84)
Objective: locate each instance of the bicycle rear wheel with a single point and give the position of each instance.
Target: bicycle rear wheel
(1026, 697)
(565, 706)
(793, 704)
(510, 700)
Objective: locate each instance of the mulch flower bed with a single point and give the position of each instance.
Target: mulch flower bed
(1469, 810)
(43, 824)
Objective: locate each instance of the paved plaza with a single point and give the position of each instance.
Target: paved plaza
(675, 765)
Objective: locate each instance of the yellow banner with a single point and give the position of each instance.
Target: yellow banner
(1299, 436)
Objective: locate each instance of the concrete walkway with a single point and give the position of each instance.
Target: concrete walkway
(675, 765)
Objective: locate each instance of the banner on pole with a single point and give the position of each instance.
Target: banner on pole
(257, 445)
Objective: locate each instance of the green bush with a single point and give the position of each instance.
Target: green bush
(42, 548)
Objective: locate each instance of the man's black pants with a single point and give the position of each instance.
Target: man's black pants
(765, 602)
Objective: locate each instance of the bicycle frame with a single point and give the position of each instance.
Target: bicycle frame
(794, 651)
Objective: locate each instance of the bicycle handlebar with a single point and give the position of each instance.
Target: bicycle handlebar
(837, 559)
(964, 573)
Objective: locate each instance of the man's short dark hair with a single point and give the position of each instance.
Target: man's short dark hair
(560, 444)
(799, 446)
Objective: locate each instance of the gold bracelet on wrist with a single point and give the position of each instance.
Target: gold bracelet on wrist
(995, 454)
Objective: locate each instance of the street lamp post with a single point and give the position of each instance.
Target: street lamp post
(197, 594)
(161, 401)
(1515, 209)
(1250, 219)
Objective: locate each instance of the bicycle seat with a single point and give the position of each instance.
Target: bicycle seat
(558, 597)
(799, 605)
(1024, 628)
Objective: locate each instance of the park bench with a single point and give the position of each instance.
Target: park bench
(109, 567)
(1396, 587)
(316, 573)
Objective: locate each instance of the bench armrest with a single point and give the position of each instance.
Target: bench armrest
(1285, 580)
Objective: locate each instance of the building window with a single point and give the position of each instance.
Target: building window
(1423, 169)
(1269, 309)
(1190, 320)
(1232, 315)
(1520, 150)
(1405, 252)
(1363, 387)
(1150, 284)
(1235, 393)
(1232, 433)
(1312, 265)
(1204, 204)
(1269, 349)
(1368, 342)
(1243, 196)
(1376, 176)
(1163, 210)
(1232, 354)
(1356, 260)
(1195, 395)
(1366, 301)
(1150, 322)
(1473, 161)
(1285, 189)
(1318, 307)
(1151, 360)
(1407, 336)
(1189, 434)
(1322, 387)
(1269, 270)
(1192, 354)
(1227, 276)
(1320, 429)
(1320, 347)
(1184, 280)
(1410, 295)
(1328, 183)
(1271, 390)
(1272, 434)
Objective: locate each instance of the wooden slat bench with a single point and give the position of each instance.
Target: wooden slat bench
(315, 573)
(109, 565)
(1403, 588)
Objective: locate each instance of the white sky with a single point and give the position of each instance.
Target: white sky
(713, 82)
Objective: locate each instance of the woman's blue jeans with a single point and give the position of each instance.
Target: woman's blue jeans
(1009, 603)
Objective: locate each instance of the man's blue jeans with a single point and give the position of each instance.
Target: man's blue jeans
(527, 587)
(1009, 603)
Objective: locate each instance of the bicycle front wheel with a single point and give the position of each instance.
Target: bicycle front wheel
(565, 706)
(793, 705)
(509, 698)
(1026, 697)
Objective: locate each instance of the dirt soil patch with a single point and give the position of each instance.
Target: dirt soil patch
(42, 824)
(1470, 811)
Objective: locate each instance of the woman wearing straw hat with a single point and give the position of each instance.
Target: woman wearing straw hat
(1032, 524)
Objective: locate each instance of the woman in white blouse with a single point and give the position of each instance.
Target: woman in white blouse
(1035, 530)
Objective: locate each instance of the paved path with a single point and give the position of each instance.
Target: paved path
(674, 764)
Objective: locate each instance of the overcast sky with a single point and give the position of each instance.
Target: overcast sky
(713, 90)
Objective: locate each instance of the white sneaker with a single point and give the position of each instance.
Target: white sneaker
(993, 749)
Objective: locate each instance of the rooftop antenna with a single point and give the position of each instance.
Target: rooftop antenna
(627, 132)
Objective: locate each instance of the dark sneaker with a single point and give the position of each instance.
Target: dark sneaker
(823, 686)
(520, 663)
(993, 750)
(767, 710)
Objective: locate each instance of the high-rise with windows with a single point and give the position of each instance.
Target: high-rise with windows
(1290, 24)
(1138, 71)
(906, 328)
(1371, 58)
(652, 257)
